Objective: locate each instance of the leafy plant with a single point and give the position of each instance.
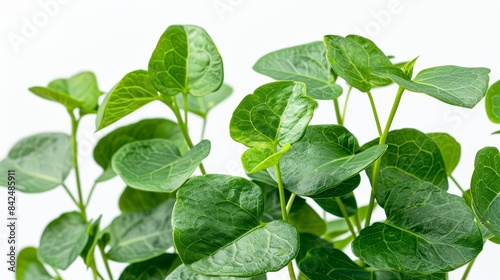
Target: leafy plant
(175, 225)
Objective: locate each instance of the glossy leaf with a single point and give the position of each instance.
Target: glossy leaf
(450, 150)
(202, 105)
(260, 158)
(306, 220)
(156, 268)
(427, 230)
(186, 60)
(136, 200)
(492, 102)
(183, 273)
(132, 92)
(228, 211)
(264, 177)
(141, 235)
(88, 251)
(309, 241)
(142, 130)
(276, 113)
(485, 189)
(272, 207)
(63, 240)
(28, 266)
(331, 206)
(41, 162)
(305, 63)
(331, 160)
(156, 164)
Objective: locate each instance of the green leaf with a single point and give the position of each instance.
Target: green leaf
(287, 110)
(492, 102)
(306, 220)
(427, 230)
(81, 90)
(411, 156)
(454, 85)
(331, 160)
(88, 251)
(141, 235)
(28, 266)
(63, 240)
(331, 206)
(305, 63)
(41, 162)
(186, 60)
(202, 105)
(353, 58)
(260, 158)
(309, 241)
(264, 177)
(485, 189)
(228, 211)
(450, 150)
(142, 130)
(272, 206)
(156, 164)
(153, 269)
(131, 93)
(183, 273)
(136, 200)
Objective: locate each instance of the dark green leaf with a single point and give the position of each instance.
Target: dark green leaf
(304, 63)
(427, 230)
(184, 273)
(450, 150)
(186, 60)
(264, 177)
(157, 164)
(228, 211)
(331, 206)
(88, 251)
(493, 102)
(202, 105)
(306, 220)
(153, 269)
(309, 241)
(28, 266)
(260, 158)
(272, 207)
(63, 240)
(136, 200)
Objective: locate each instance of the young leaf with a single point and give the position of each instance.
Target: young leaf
(306, 220)
(153, 269)
(450, 150)
(493, 102)
(228, 211)
(427, 230)
(183, 273)
(157, 165)
(331, 206)
(136, 200)
(88, 251)
(287, 110)
(202, 105)
(259, 158)
(485, 189)
(28, 266)
(329, 150)
(63, 240)
(186, 60)
(141, 235)
(142, 130)
(305, 63)
(41, 162)
(411, 156)
(131, 93)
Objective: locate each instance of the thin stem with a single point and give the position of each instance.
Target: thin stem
(58, 275)
(456, 183)
(337, 111)
(375, 114)
(185, 109)
(357, 221)
(467, 270)
(203, 128)
(90, 194)
(70, 195)
(74, 152)
(106, 264)
(346, 217)
(290, 202)
(345, 102)
(376, 165)
(291, 272)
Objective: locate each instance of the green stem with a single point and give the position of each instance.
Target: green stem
(90, 194)
(70, 195)
(376, 165)
(185, 109)
(291, 272)
(106, 263)
(345, 102)
(203, 128)
(456, 183)
(290, 202)
(467, 270)
(337, 111)
(346, 217)
(375, 114)
(357, 221)
(74, 152)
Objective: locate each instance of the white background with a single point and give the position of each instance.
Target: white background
(112, 38)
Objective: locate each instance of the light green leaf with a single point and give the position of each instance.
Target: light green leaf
(485, 189)
(276, 113)
(305, 63)
(331, 161)
(28, 266)
(454, 85)
(306, 220)
(63, 240)
(142, 130)
(87, 253)
(153, 269)
(186, 60)
(331, 206)
(156, 164)
(202, 105)
(493, 102)
(131, 93)
(41, 162)
(136, 200)
(228, 211)
(450, 150)
(411, 156)
(259, 158)
(141, 235)
(183, 273)
(407, 243)
(60, 97)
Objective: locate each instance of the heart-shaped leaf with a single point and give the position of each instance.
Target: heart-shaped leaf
(29, 267)
(305, 63)
(331, 160)
(228, 210)
(492, 102)
(309, 241)
(63, 240)
(186, 60)
(427, 230)
(157, 165)
(276, 113)
(153, 269)
(183, 273)
(485, 189)
(202, 105)
(259, 158)
(450, 150)
(41, 162)
(331, 206)
(136, 200)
